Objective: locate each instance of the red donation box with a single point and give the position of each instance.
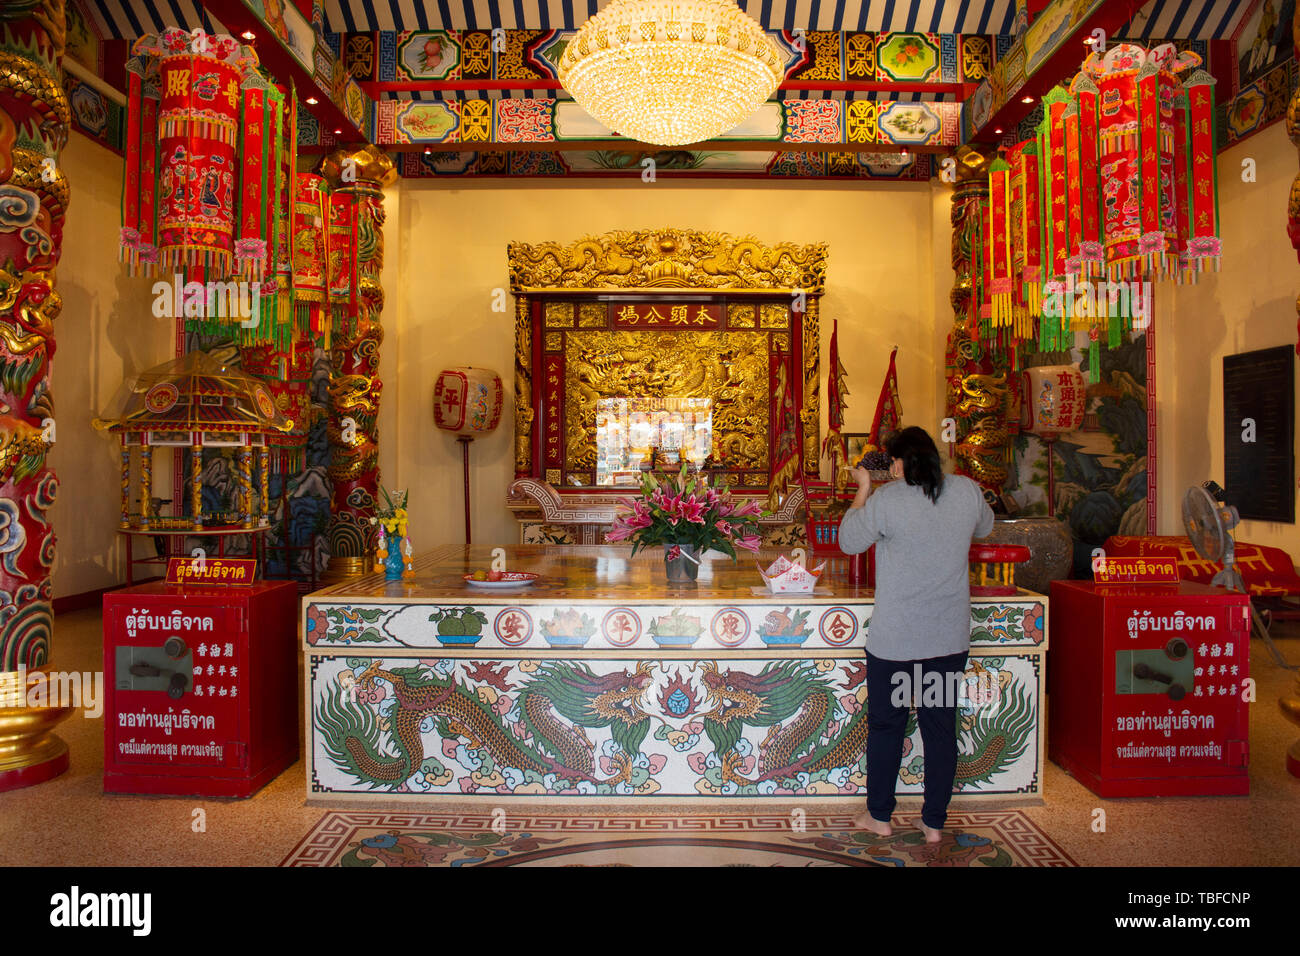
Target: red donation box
(1146, 684)
(202, 687)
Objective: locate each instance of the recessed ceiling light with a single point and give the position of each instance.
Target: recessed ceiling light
(1026, 99)
(338, 132)
(997, 132)
(249, 35)
(312, 101)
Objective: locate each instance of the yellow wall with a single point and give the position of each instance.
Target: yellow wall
(452, 256)
(888, 281)
(1248, 305)
(106, 333)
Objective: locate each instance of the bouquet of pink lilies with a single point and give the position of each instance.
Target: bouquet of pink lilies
(682, 512)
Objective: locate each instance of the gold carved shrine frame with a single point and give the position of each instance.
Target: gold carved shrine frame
(664, 314)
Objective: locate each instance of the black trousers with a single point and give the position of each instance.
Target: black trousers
(887, 720)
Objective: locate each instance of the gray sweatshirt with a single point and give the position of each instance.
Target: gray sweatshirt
(922, 569)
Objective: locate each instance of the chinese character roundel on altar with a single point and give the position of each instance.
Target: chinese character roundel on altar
(467, 400)
(1054, 400)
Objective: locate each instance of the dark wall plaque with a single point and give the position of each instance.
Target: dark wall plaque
(1259, 392)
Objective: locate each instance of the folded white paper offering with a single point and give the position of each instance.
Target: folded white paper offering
(788, 577)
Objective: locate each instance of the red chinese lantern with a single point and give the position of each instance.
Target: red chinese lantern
(467, 401)
(1053, 401)
(182, 181)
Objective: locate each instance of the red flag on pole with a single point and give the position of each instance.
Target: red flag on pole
(785, 466)
(889, 410)
(833, 446)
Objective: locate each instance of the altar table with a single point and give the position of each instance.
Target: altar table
(601, 682)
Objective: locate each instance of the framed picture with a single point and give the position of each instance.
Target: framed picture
(856, 443)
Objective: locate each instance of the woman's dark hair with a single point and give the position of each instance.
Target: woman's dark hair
(921, 463)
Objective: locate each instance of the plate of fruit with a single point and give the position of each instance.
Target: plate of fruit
(500, 579)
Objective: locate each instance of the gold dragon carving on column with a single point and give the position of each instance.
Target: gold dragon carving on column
(355, 386)
(978, 392)
(524, 412)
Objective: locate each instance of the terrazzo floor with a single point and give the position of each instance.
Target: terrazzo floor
(69, 821)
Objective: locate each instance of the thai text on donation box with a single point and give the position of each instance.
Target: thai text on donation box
(201, 684)
(1147, 684)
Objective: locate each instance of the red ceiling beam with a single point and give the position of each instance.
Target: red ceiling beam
(284, 66)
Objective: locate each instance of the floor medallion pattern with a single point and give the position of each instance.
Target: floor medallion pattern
(991, 838)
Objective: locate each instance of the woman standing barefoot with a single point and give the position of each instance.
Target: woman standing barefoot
(919, 634)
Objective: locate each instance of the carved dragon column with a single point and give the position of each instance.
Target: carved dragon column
(34, 118)
(976, 397)
(524, 412)
(358, 177)
(810, 415)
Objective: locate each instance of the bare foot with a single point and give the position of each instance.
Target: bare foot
(931, 834)
(865, 821)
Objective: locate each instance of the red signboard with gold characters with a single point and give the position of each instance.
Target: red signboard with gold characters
(1129, 570)
(220, 571)
(665, 315)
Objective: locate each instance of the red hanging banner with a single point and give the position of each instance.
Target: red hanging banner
(1151, 245)
(1057, 237)
(1203, 247)
(1031, 274)
(1000, 239)
(1089, 247)
(1073, 186)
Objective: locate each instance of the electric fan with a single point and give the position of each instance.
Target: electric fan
(1209, 523)
(1209, 520)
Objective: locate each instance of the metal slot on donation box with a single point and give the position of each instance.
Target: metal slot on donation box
(1168, 670)
(167, 669)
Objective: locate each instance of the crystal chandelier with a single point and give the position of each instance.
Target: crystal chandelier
(671, 72)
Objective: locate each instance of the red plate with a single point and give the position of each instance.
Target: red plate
(509, 579)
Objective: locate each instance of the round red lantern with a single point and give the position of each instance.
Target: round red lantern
(467, 400)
